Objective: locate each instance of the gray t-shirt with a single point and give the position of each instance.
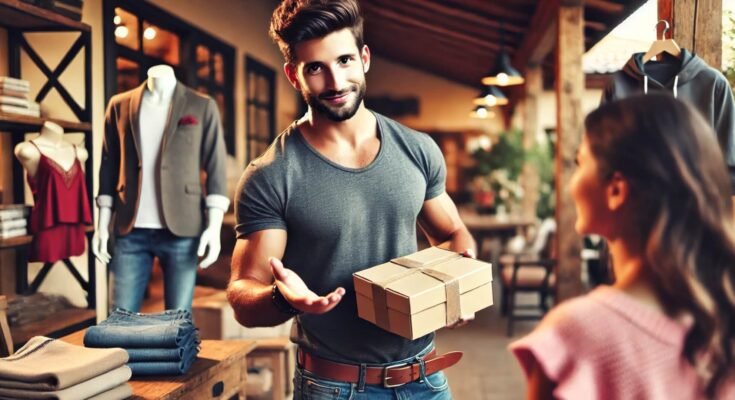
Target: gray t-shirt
(342, 220)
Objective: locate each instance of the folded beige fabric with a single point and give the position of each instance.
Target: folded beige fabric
(117, 393)
(47, 364)
(83, 390)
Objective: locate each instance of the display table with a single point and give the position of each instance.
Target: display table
(219, 372)
(280, 354)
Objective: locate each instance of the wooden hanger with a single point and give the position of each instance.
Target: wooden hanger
(662, 45)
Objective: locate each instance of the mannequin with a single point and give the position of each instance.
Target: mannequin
(56, 177)
(51, 141)
(162, 133)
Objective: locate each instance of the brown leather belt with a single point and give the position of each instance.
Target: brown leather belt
(391, 376)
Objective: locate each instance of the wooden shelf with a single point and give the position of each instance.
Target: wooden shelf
(26, 239)
(14, 122)
(16, 14)
(60, 323)
(15, 241)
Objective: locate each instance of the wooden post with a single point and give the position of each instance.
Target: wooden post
(696, 25)
(531, 127)
(569, 90)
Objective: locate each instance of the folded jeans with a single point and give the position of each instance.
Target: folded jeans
(123, 328)
(190, 345)
(162, 367)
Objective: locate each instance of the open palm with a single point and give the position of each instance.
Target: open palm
(299, 295)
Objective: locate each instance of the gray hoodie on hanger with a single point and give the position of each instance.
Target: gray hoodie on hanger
(688, 78)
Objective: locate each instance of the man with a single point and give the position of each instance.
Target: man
(339, 191)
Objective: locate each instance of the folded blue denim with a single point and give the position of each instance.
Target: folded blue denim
(127, 329)
(162, 367)
(190, 345)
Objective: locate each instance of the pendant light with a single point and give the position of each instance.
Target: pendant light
(503, 74)
(482, 112)
(491, 96)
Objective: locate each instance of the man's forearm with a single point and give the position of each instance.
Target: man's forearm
(462, 240)
(252, 303)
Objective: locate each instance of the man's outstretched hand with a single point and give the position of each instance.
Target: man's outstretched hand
(293, 288)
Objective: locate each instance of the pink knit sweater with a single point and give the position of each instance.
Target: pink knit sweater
(607, 345)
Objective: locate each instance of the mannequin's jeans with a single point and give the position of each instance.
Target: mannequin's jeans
(132, 262)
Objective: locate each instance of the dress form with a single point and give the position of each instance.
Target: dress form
(51, 142)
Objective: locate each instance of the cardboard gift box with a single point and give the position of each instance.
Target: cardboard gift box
(417, 294)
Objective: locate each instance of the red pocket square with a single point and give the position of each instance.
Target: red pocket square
(188, 120)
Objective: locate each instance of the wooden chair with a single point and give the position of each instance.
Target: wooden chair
(529, 271)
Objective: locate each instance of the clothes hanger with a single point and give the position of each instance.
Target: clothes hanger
(662, 45)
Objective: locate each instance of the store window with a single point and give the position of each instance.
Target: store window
(139, 35)
(260, 89)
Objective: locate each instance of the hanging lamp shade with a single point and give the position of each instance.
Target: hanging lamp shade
(482, 112)
(491, 96)
(503, 74)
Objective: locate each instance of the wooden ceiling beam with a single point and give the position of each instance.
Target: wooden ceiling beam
(439, 45)
(486, 12)
(452, 19)
(608, 7)
(540, 37)
(445, 61)
(596, 26)
(415, 23)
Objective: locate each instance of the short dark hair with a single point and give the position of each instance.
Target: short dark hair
(295, 21)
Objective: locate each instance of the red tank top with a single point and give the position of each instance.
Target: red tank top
(60, 211)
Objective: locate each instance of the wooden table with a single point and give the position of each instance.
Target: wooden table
(280, 354)
(486, 226)
(220, 372)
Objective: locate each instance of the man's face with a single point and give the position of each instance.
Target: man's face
(330, 74)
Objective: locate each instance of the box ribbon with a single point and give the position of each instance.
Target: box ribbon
(451, 287)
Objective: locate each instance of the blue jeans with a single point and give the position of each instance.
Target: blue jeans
(183, 352)
(150, 368)
(132, 262)
(169, 329)
(432, 387)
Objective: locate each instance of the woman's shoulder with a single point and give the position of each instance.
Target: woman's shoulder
(577, 329)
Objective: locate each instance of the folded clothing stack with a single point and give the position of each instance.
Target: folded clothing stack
(165, 343)
(46, 368)
(14, 97)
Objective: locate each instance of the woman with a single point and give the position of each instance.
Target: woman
(651, 180)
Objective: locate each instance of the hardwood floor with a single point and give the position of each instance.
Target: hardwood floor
(487, 370)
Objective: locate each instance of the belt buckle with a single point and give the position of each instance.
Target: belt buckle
(386, 377)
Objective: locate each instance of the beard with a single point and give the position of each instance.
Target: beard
(336, 113)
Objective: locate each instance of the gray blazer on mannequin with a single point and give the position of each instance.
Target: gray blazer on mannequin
(192, 143)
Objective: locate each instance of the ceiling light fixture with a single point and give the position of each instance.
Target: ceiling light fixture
(491, 96)
(503, 74)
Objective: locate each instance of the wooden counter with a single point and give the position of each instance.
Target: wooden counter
(220, 372)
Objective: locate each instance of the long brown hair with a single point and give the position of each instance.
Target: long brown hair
(681, 194)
